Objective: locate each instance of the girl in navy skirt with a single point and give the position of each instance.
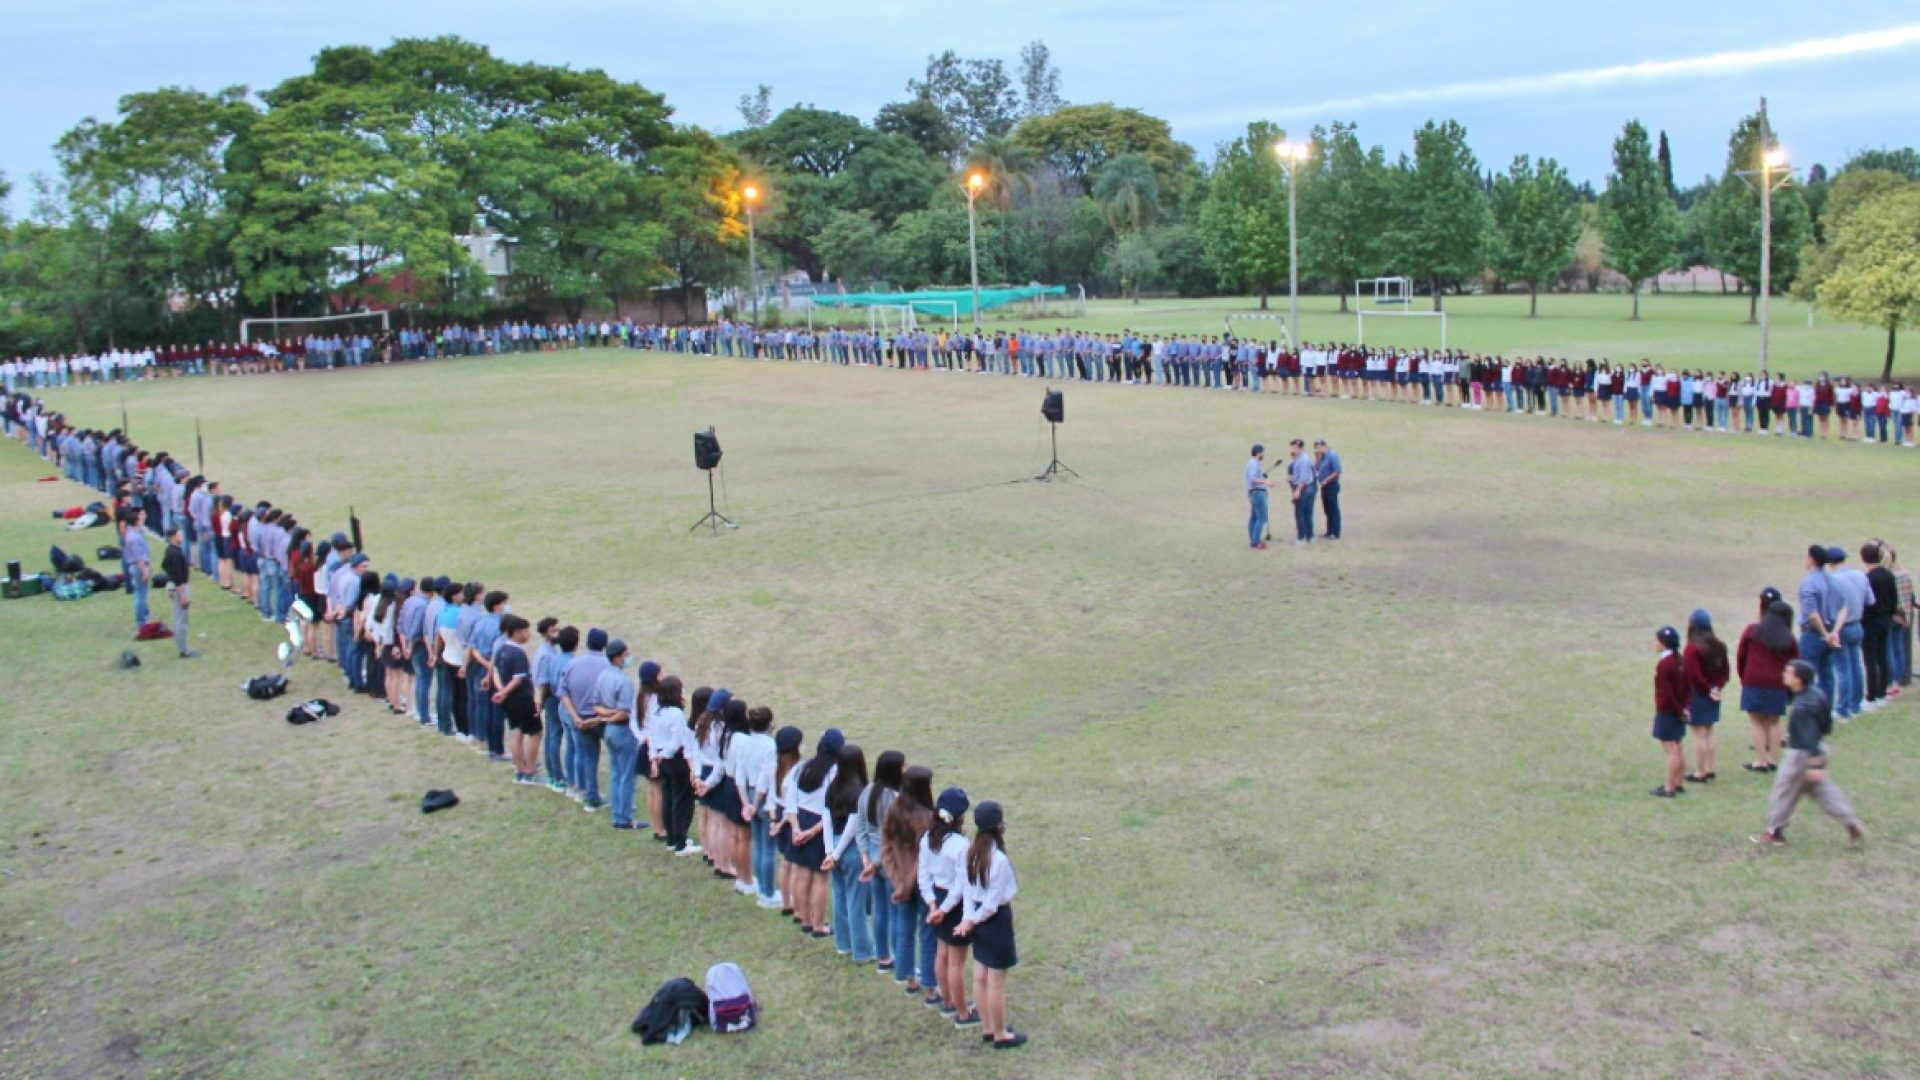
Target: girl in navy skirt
(707, 771)
(1766, 648)
(987, 921)
(1670, 694)
(786, 773)
(812, 831)
(723, 804)
(943, 868)
(1705, 663)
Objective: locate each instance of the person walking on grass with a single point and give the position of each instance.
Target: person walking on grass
(1670, 696)
(1705, 663)
(1257, 485)
(1766, 648)
(1804, 769)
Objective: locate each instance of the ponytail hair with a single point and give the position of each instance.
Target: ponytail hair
(980, 853)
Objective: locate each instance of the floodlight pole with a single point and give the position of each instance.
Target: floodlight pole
(1766, 233)
(974, 184)
(753, 271)
(1291, 154)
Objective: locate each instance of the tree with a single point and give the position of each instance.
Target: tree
(1128, 193)
(1343, 200)
(699, 210)
(1875, 277)
(1442, 209)
(1084, 236)
(1134, 260)
(851, 243)
(1666, 167)
(977, 96)
(1732, 222)
(803, 139)
(1905, 161)
(756, 109)
(1079, 140)
(923, 122)
(1243, 219)
(1182, 256)
(1536, 223)
(1039, 81)
(1637, 217)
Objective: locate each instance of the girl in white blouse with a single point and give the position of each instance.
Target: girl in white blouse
(987, 921)
(943, 858)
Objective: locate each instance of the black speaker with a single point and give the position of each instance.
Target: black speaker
(1054, 408)
(706, 449)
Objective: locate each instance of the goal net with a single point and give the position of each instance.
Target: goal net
(890, 318)
(1388, 292)
(356, 322)
(1279, 324)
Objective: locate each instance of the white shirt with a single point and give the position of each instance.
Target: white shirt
(944, 869)
(984, 900)
(670, 734)
(753, 759)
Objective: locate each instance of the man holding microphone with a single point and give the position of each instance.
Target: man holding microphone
(1257, 485)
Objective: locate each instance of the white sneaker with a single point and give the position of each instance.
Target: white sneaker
(772, 902)
(691, 849)
(745, 889)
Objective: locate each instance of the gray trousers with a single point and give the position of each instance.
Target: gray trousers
(1791, 783)
(179, 597)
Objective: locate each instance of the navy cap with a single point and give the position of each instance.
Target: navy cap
(1259, 448)
(831, 741)
(952, 804)
(357, 560)
(788, 739)
(596, 640)
(615, 648)
(1836, 555)
(649, 671)
(1669, 637)
(339, 538)
(718, 702)
(988, 816)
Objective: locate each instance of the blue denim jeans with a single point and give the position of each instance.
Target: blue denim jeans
(852, 928)
(765, 852)
(1303, 513)
(913, 942)
(343, 652)
(553, 741)
(208, 557)
(422, 682)
(1900, 655)
(1849, 671)
(622, 751)
(269, 587)
(1330, 502)
(880, 910)
(1256, 515)
(1814, 650)
(141, 615)
(585, 766)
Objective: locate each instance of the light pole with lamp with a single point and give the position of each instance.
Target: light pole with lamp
(748, 195)
(976, 182)
(1772, 161)
(1291, 154)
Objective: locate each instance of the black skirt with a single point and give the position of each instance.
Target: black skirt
(943, 930)
(993, 941)
(810, 855)
(724, 799)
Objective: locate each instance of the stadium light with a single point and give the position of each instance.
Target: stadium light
(1773, 163)
(976, 182)
(750, 194)
(1291, 154)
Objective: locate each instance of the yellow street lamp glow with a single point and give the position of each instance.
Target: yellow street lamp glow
(750, 192)
(1776, 158)
(976, 181)
(1291, 151)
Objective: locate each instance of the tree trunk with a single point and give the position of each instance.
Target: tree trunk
(1263, 298)
(1434, 284)
(1753, 308)
(1343, 299)
(1636, 301)
(1533, 299)
(1886, 370)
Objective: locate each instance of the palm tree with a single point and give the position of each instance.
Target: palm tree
(1128, 192)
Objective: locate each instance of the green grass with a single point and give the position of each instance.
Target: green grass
(1689, 330)
(1367, 809)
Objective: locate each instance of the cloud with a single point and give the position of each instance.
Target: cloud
(1808, 51)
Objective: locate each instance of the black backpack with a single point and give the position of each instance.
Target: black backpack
(677, 1001)
(265, 687)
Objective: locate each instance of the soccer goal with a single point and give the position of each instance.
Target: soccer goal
(1392, 299)
(1286, 332)
(1043, 305)
(331, 324)
(1387, 291)
(890, 318)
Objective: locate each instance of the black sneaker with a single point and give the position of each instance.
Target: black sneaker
(1662, 793)
(1013, 1041)
(972, 1019)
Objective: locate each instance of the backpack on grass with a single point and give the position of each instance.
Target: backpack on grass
(265, 687)
(730, 1004)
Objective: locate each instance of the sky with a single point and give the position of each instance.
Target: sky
(1547, 80)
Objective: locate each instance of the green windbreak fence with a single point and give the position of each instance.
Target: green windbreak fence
(940, 301)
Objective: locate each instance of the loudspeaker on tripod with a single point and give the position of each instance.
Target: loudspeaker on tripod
(1054, 407)
(706, 450)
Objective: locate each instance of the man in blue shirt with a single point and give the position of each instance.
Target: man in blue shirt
(410, 632)
(1257, 485)
(138, 558)
(1301, 477)
(1327, 475)
(485, 717)
(1819, 618)
(343, 595)
(577, 688)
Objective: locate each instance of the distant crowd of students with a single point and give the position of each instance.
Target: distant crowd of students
(875, 861)
(1600, 391)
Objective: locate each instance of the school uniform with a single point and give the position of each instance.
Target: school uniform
(669, 744)
(1763, 685)
(810, 809)
(988, 905)
(1670, 697)
(1703, 710)
(942, 874)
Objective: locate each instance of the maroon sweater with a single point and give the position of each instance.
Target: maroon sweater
(1671, 694)
(1759, 666)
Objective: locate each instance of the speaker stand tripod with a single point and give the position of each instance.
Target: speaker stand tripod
(714, 518)
(1056, 467)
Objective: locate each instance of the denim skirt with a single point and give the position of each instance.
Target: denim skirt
(1762, 701)
(1668, 728)
(1703, 711)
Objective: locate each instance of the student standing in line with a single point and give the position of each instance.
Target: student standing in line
(753, 772)
(876, 891)
(852, 925)
(1883, 604)
(547, 667)
(901, 833)
(646, 724)
(514, 672)
(708, 778)
(1670, 695)
(943, 858)
(1766, 648)
(450, 679)
(1257, 485)
(812, 830)
(731, 833)
(613, 700)
(786, 775)
(667, 744)
(576, 707)
(174, 565)
(987, 922)
(1705, 663)
(1804, 770)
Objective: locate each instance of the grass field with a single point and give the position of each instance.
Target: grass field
(1375, 808)
(1690, 330)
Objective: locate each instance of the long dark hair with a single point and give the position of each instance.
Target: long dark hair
(735, 721)
(669, 686)
(980, 854)
(886, 774)
(916, 797)
(782, 762)
(844, 796)
(388, 594)
(1713, 651)
(1776, 628)
(697, 707)
(814, 772)
(941, 828)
